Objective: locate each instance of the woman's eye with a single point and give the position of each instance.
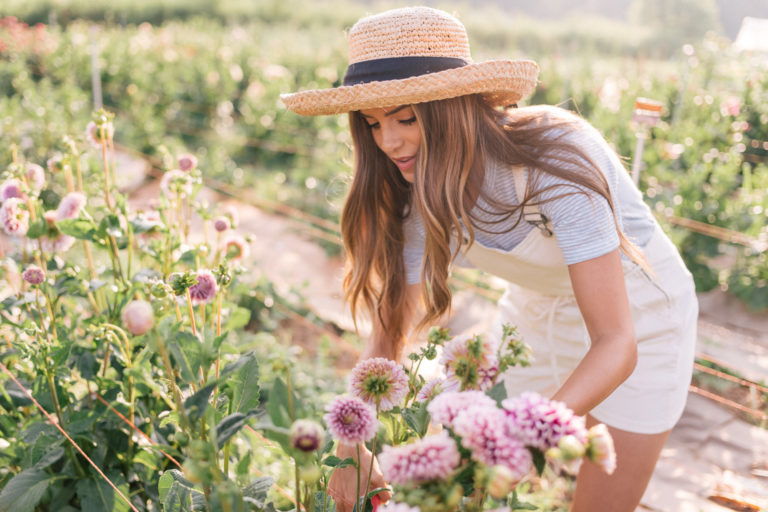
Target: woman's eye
(373, 126)
(409, 121)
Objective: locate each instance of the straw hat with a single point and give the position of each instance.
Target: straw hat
(414, 55)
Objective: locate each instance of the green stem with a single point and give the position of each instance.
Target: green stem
(298, 484)
(373, 455)
(357, 491)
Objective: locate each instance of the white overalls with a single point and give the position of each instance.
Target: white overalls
(540, 302)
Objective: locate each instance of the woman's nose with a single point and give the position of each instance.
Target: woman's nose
(390, 139)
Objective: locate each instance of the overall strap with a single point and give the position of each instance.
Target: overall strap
(531, 213)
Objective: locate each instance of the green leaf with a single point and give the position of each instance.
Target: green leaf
(277, 405)
(178, 494)
(336, 462)
(23, 491)
(244, 385)
(49, 458)
(99, 496)
(238, 318)
(256, 492)
(37, 229)
(230, 426)
(539, 460)
(417, 418)
(196, 404)
(81, 229)
(187, 352)
(328, 506)
(498, 392)
(514, 503)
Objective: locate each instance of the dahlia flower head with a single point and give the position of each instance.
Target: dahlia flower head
(93, 133)
(35, 176)
(350, 420)
(447, 405)
(33, 275)
(221, 224)
(483, 433)
(470, 363)
(306, 435)
(379, 382)
(540, 422)
(236, 248)
(10, 189)
(431, 458)
(70, 206)
(205, 289)
(138, 317)
(186, 162)
(14, 218)
(430, 390)
(176, 181)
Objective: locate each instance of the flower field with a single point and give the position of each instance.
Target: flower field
(146, 366)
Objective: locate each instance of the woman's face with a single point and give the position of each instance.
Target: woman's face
(396, 132)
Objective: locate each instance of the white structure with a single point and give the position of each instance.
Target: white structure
(753, 35)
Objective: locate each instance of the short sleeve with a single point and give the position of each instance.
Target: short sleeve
(583, 222)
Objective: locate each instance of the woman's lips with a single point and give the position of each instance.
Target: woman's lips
(405, 164)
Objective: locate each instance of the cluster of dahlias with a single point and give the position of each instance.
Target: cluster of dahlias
(499, 440)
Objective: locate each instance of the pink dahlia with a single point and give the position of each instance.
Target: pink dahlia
(350, 420)
(430, 390)
(93, 133)
(600, 449)
(11, 189)
(138, 317)
(70, 205)
(379, 381)
(177, 182)
(306, 435)
(205, 289)
(236, 248)
(540, 422)
(35, 176)
(14, 219)
(483, 434)
(33, 274)
(430, 458)
(447, 405)
(391, 506)
(470, 363)
(187, 162)
(55, 163)
(221, 224)
(58, 244)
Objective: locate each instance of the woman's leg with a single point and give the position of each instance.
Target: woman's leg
(636, 456)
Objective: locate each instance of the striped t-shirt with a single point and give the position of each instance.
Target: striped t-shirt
(583, 224)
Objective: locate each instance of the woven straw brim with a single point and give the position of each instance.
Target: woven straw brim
(501, 82)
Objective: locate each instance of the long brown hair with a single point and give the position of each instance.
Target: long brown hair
(459, 136)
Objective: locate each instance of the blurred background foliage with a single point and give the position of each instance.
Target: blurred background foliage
(205, 76)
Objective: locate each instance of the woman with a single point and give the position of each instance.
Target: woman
(533, 195)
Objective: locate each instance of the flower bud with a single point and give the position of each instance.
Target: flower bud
(138, 317)
(310, 474)
(306, 435)
(600, 448)
(571, 447)
(501, 483)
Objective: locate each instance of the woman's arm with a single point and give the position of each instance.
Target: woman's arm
(598, 285)
(384, 344)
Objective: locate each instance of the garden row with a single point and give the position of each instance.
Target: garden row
(214, 88)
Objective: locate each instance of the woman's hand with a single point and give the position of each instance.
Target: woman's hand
(343, 484)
